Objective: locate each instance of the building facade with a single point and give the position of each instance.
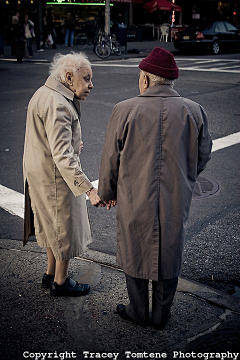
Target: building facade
(130, 12)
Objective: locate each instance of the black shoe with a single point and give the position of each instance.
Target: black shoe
(121, 310)
(69, 288)
(47, 280)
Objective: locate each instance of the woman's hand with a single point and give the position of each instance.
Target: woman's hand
(94, 198)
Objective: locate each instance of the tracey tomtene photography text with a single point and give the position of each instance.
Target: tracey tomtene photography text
(130, 355)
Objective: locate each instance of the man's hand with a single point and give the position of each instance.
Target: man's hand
(94, 198)
(111, 203)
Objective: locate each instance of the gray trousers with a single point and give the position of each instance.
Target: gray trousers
(163, 292)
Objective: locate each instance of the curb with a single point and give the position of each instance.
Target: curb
(189, 287)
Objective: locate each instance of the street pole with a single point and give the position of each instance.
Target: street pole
(107, 17)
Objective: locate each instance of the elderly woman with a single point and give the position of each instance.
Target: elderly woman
(55, 185)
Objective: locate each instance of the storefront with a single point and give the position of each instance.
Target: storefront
(207, 11)
(133, 13)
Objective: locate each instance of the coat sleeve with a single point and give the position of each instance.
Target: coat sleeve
(204, 143)
(58, 127)
(108, 176)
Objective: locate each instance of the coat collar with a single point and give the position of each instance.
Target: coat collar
(161, 90)
(60, 88)
(63, 90)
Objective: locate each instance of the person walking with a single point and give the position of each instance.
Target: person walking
(55, 185)
(29, 33)
(18, 39)
(70, 26)
(155, 147)
(2, 29)
(47, 26)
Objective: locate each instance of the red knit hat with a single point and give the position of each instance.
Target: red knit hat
(160, 62)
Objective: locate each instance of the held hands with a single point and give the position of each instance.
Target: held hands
(110, 204)
(94, 198)
(96, 201)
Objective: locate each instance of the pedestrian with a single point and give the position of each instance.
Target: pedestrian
(18, 39)
(55, 185)
(35, 18)
(70, 26)
(2, 30)
(29, 34)
(48, 31)
(155, 147)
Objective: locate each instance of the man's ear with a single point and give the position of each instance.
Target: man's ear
(69, 78)
(146, 82)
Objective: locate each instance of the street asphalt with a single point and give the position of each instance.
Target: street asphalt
(205, 322)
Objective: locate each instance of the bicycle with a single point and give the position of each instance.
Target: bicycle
(81, 40)
(107, 46)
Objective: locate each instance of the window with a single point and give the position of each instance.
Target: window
(230, 27)
(220, 27)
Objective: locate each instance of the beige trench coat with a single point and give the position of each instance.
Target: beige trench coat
(52, 173)
(156, 144)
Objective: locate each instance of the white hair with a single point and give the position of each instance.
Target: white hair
(158, 80)
(72, 62)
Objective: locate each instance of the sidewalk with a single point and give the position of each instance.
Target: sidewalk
(203, 320)
(143, 47)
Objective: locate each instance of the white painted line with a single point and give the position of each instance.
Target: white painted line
(226, 141)
(210, 70)
(180, 68)
(185, 59)
(196, 59)
(113, 65)
(26, 60)
(13, 202)
(226, 66)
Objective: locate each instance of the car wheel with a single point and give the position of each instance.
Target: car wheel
(215, 48)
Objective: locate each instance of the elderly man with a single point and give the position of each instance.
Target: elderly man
(55, 185)
(156, 145)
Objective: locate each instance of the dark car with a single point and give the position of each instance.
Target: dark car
(219, 36)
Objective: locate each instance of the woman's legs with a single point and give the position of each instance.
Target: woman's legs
(66, 37)
(61, 272)
(29, 45)
(51, 262)
(62, 285)
(71, 37)
(59, 268)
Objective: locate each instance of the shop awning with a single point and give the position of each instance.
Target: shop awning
(155, 5)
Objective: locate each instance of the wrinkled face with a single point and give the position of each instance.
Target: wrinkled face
(82, 83)
(142, 82)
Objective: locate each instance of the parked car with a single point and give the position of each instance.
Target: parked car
(219, 36)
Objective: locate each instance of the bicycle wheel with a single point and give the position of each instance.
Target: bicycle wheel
(117, 48)
(103, 50)
(81, 41)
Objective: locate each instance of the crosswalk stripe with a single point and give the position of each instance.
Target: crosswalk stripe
(13, 201)
(226, 141)
(209, 70)
(187, 68)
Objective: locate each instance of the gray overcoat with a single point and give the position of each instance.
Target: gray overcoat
(156, 145)
(52, 173)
